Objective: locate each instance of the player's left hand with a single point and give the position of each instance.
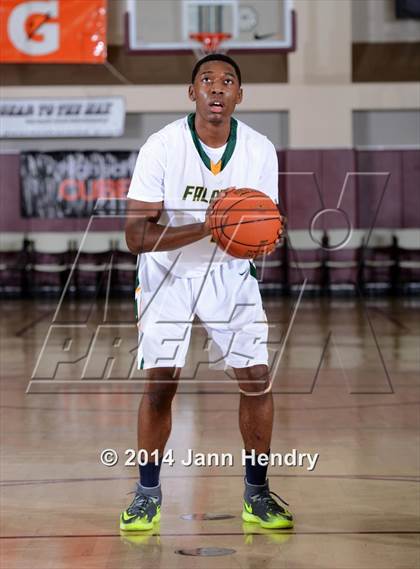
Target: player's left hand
(268, 251)
(273, 247)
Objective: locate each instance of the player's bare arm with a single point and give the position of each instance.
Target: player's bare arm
(144, 234)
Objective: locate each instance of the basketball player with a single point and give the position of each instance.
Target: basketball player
(182, 273)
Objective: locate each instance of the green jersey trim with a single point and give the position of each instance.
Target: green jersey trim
(227, 154)
(253, 270)
(136, 291)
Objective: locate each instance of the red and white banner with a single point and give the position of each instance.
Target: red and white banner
(75, 184)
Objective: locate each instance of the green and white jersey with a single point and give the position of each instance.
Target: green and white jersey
(173, 168)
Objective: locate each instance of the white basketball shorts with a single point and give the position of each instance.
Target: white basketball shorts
(228, 303)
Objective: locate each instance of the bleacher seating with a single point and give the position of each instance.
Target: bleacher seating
(13, 265)
(272, 270)
(123, 268)
(379, 262)
(48, 262)
(408, 260)
(388, 262)
(343, 260)
(377, 189)
(306, 260)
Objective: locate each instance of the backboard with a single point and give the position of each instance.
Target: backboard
(165, 26)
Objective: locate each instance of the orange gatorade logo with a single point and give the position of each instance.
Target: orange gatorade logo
(54, 31)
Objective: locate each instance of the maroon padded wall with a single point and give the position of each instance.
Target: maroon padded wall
(315, 182)
(411, 188)
(303, 177)
(338, 179)
(281, 155)
(299, 197)
(385, 165)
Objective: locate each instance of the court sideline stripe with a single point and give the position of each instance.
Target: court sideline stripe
(285, 408)
(373, 477)
(218, 534)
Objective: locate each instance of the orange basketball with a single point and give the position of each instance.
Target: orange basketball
(245, 223)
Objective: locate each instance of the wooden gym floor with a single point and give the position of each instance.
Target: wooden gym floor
(346, 387)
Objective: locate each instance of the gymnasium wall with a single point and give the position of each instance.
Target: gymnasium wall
(384, 48)
(374, 21)
(338, 41)
(309, 180)
(382, 129)
(320, 85)
(139, 126)
(11, 219)
(370, 129)
(311, 101)
(387, 199)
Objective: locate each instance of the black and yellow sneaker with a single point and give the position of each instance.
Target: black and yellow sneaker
(263, 535)
(144, 510)
(261, 508)
(149, 538)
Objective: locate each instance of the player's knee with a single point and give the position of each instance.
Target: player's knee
(255, 388)
(161, 399)
(254, 380)
(161, 389)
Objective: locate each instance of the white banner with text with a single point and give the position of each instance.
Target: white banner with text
(62, 118)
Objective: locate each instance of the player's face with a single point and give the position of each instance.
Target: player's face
(216, 91)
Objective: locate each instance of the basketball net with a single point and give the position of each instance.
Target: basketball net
(210, 43)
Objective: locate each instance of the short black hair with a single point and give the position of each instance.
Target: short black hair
(216, 57)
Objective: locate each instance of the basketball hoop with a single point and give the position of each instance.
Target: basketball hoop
(210, 42)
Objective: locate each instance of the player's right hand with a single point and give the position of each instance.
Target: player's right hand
(221, 194)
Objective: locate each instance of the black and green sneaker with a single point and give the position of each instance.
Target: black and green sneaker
(144, 510)
(261, 508)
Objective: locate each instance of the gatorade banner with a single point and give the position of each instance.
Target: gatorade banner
(53, 31)
(75, 184)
